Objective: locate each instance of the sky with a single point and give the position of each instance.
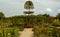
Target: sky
(16, 7)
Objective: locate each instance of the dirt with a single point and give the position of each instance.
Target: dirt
(27, 32)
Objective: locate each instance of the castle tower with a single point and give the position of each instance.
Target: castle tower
(28, 6)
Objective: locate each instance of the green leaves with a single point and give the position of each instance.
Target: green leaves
(29, 5)
(56, 23)
(1, 15)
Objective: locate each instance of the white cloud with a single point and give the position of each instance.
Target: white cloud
(58, 11)
(49, 9)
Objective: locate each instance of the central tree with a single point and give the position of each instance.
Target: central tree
(28, 6)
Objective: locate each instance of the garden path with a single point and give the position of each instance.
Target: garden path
(27, 32)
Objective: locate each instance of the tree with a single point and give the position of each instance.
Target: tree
(58, 16)
(1, 15)
(46, 15)
(47, 18)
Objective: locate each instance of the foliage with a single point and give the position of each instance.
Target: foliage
(41, 31)
(58, 16)
(1, 15)
(56, 23)
(9, 32)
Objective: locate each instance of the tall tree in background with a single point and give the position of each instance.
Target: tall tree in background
(46, 15)
(1, 15)
(58, 16)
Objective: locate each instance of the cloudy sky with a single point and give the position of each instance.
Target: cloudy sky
(16, 7)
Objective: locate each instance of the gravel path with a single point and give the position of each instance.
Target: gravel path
(27, 32)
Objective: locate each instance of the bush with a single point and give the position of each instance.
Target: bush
(56, 23)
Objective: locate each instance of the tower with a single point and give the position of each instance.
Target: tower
(28, 6)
